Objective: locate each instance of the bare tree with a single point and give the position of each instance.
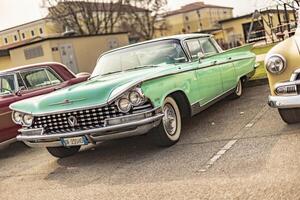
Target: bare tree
(143, 23)
(86, 17)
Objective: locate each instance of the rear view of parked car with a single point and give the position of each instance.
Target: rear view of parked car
(146, 86)
(25, 82)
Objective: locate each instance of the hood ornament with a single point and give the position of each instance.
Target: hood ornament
(67, 101)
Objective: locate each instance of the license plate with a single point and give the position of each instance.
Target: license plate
(76, 141)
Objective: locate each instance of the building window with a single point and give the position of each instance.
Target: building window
(5, 40)
(187, 18)
(33, 52)
(189, 28)
(16, 38)
(23, 35)
(32, 33)
(41, 31)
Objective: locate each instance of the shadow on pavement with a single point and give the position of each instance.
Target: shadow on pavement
(13, 149)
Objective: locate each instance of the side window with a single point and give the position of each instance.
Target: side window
(7, 84)
(207, 46)
(194, 48)
(54, 79)
(20, 81)
(39, 78)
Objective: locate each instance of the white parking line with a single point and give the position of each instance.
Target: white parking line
(231, 143)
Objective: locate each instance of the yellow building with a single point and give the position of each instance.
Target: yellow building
(78, 53)
(268, 26)
(194, 17)
(25, 32)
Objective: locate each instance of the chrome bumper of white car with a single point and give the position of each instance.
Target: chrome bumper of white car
(284, 101)
(133, 125)
(287, 93)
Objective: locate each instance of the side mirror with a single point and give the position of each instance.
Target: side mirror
(18, 93)
(200, 56)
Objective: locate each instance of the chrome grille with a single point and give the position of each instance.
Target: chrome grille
(86, 119)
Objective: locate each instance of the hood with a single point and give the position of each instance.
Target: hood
(87, 94)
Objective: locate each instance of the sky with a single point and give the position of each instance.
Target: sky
(16, 12)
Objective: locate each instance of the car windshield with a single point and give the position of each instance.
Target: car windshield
(7, 84)
(141, 56)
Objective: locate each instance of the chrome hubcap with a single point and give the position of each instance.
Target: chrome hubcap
(239, 88)
(170, 120)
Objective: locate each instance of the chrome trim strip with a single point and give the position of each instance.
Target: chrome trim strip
(7, 143)
(89, 132)
(134, 115)
(9, 112)
(214, 98)
(294, 75)
(132, 85)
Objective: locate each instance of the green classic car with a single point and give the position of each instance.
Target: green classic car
(146, 86)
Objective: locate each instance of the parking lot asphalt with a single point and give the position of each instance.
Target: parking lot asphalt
(236, 149)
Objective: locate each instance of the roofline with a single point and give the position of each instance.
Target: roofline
(4, 30)
(250, 15)
(34, 65)
(61, 37)
(158, 40)
(177, 12)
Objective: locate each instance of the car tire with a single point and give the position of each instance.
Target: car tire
(169, 131)
(238, 92)
(290, 115)
(63, 152)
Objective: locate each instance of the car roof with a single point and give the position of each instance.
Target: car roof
(24, 67)
(180, 37)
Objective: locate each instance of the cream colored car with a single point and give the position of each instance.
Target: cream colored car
(283, 68)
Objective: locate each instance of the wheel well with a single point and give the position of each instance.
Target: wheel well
(183, 103)
(244, 79)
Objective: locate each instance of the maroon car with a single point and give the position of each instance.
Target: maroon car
(30, 81)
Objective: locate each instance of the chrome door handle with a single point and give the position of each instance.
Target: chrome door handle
(214, 62)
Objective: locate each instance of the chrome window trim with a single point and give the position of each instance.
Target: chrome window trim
(46, 69)
(15, 82)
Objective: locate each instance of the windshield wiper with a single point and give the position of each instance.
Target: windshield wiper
(104, 74)
(142, 67)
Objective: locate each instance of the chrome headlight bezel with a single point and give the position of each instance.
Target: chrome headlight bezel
(20, 118)
(121, 107)
(27, 120)
(127, 96)
(276, 64)
(17, 117)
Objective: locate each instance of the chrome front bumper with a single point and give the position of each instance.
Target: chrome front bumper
(133, 125)
(284, 101)
(287, 93)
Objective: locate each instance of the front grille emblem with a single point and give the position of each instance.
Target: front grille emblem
(72, 121)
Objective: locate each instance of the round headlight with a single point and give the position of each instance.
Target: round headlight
(135, 98)
(276, 64)
(17, 117)
(124, 105)
(27, 119)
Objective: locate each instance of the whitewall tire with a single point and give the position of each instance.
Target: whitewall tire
(169, 131)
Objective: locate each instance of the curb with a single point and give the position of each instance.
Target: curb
(257, 82)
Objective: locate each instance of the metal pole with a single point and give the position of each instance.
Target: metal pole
(287, 18)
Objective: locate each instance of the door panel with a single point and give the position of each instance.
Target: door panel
(209, 80)
(68, 57)
(228, 76)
